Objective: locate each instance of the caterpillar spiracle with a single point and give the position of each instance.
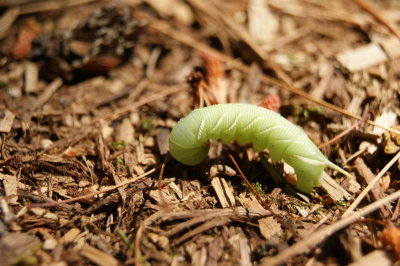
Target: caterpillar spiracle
(247, 123)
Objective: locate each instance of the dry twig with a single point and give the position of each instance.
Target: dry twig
(321, 235)
(90, 195)
(360, 197)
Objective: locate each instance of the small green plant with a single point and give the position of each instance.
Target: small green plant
(126, 240)
(259, 187)
(318, 210)
(341, 204)
(119, 145)
(312, 109)
(147, 124)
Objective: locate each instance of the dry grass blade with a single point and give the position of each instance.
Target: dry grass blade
(375, 13)
(138, 253)
(376, 191)
(321, 235)
(361, 196)
(185, 39)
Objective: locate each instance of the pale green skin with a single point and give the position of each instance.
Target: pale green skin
(246, 123)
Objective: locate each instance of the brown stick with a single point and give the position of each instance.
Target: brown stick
(245, 179)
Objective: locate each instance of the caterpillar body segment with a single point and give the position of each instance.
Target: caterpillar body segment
(246, 124)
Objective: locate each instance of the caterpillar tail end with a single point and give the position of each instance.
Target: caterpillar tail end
(338, 169)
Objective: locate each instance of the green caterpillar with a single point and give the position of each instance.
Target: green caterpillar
(246, 123)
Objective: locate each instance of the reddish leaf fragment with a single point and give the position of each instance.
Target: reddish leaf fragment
(271, 102)
(214, 68)
(27, 34)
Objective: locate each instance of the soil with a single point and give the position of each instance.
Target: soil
(90, 90)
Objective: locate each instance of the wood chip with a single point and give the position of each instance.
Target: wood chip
(31, 77)
(263, 25)
(125, 132)
(162, 141)
(215, 251)
(224, 192)
(327, 72)
(7, 121)
(176, 189)
(80, 48)
(10, 188)
(16, 246)
(7, 214)
(6, 21)
(98, 256)
(376, 191)
(390, 44)
(351, 185)
(173, 8)
(69, 236)
(377, 257)
(362, 57)
(387, 119)
(241, 244)
(48, 92)
(334, 190)
(251, 203)
(163, 196)
(270, 228)
(199, 257)
(351, 244)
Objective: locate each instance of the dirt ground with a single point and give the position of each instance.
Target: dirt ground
(89, 93)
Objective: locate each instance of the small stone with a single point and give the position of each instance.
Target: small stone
(50, 244)
(84, 183)
(46, 144)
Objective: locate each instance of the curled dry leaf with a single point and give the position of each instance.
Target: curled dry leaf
(271, 102)
(28, 33)
(214, 70)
